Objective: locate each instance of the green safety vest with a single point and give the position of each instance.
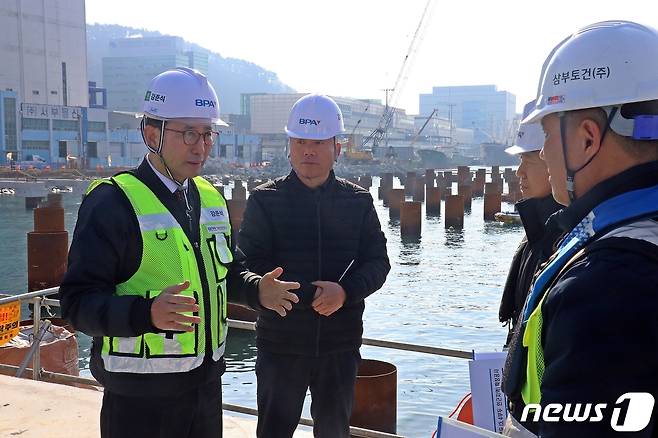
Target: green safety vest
(531, 390)
(168, 258)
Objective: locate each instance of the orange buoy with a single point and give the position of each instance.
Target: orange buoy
(464, 410)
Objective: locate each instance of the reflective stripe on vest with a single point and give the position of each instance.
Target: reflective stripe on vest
(168, 258)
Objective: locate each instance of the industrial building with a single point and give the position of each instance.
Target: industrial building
(489, 112)
(44, 68)
(44, 51)
(268, 114)
(133, 62)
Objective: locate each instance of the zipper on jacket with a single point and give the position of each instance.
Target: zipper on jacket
(317, 210)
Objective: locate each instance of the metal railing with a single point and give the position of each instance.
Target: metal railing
(39, 328)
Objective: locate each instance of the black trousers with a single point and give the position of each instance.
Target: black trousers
(282, 383)
(193, 414)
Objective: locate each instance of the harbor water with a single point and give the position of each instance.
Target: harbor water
(443, 290)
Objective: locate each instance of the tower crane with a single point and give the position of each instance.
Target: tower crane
(380, 133)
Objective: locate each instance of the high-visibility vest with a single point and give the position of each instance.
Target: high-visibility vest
(168, 258)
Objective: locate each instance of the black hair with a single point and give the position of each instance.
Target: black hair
(148, 121)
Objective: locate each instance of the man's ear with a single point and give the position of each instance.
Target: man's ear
(590, 136)
(152, 136)
(337, 149)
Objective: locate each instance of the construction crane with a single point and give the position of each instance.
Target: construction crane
(413, 142)
(379, 134)
(351, 154)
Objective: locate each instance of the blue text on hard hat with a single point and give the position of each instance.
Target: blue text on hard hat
(204, 102)
(309, 122)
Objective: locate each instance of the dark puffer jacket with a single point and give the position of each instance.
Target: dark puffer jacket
(599, 319)
(535, 248)
(314, 235)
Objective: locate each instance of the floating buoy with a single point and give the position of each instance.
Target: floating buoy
(464, 410)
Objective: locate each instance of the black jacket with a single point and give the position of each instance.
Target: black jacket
(600, 317)
(537, 246)
(314, 235)
(106, 250)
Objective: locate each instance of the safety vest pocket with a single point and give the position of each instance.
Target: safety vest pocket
(223, 251)
(220, 256)
(172, 343)
(127, 347)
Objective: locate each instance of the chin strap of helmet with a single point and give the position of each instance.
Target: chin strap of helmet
(158, 152)
(571, 174)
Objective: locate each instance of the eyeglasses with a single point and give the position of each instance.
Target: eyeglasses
(191, 137)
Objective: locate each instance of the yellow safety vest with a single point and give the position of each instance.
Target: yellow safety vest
(168, 258)
(532, 340)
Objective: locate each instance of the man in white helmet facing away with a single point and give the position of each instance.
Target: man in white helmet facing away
(589, 327)
(534, 209)
(325, 233)
(151, 267)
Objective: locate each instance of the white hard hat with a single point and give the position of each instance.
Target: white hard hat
(315, 117)
(605, 64)
(530, 137)
(182, 93)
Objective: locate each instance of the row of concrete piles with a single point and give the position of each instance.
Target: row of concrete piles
(435, 186)
(430, 189)
(238, 201)
(46, 267)
(47, 245)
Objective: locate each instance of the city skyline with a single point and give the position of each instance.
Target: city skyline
(360, 49)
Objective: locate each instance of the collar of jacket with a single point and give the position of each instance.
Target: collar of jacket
(146, 175)
(637, 177)
(534, 213)
(298, 185)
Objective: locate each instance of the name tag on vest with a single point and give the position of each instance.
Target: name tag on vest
(215, 219)
(217, 229)
(214, 214)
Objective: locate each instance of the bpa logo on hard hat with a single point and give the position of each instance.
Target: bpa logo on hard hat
(314, 117)
(204, 103)
(309, 122)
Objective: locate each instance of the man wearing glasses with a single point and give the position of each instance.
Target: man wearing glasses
(150, 270)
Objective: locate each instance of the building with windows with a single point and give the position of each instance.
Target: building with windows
(44, 62)
(489, 112)
(133, 62)
(65, 136)
(268, 114)
(50, 112)
(44, 51)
